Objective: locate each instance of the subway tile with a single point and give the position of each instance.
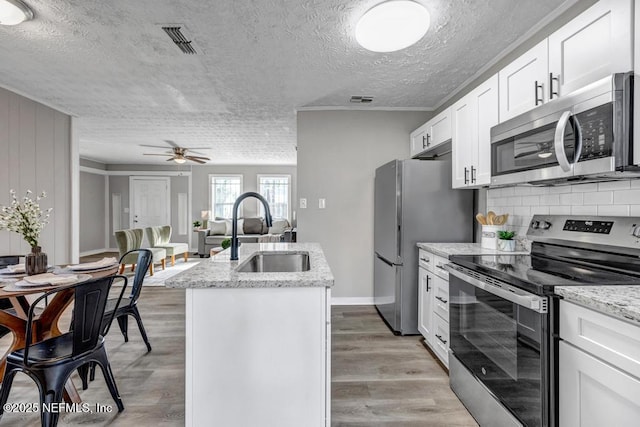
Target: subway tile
(613, 210)
(598, 198)
(584, 210)
(515, 200)
(508, 191)
(572, 199)
(537, 191)
(494, 193)
(561, 189)
(523, 190)
(583, 188)
(614, 185)
(634, 210)
(531, 200)
(559, 210)
(626, 197)
(540, 210)
(635, 183)
(550, 199)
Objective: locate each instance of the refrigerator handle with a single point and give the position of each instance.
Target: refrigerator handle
(390, 264)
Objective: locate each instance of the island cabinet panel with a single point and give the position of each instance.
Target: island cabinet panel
(258, 357)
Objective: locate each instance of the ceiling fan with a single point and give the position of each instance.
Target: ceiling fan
(179, 154)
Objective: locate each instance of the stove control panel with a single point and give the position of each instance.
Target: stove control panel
(583, 226)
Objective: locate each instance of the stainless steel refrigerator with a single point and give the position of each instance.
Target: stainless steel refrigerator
(414, 203)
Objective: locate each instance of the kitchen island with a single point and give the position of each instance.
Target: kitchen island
(257, 343)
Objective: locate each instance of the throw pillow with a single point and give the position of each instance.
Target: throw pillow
(253, 225)
(218, 228)
(240, 227)
(278, 226)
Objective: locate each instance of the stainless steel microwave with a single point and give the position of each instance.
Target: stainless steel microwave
(584, 136)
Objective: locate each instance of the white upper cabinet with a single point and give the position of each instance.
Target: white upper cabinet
(523, 83)
(595, 44)
(472, 119)
(431, 134)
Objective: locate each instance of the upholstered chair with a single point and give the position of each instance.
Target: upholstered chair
(160, 236)
(128, 240)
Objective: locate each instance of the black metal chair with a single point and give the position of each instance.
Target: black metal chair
(51, 362)
(126, 309)
(5, 304)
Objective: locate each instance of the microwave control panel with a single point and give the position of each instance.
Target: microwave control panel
(597, 132)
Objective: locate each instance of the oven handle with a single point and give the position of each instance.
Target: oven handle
(558, 141)
(512, 294)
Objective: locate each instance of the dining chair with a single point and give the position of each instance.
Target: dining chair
(127, 308)
(5, 304)
(51, 362)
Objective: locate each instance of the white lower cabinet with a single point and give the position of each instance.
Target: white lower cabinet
(433, 304)
(599, 367)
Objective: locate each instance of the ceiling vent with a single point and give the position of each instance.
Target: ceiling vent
(179, 39)
(361, 99)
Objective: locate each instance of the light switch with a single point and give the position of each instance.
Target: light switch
(321, 203)
(303, 203)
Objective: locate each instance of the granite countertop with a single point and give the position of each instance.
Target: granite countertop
(220, 272)
(448, 249)
(622, 302)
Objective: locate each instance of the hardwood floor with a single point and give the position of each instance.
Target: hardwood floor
(378, 379)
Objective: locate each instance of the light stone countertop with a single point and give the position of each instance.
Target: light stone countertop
(448, 249)
(622, 302)
(219, 272)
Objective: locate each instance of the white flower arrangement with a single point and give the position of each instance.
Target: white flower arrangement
(25, 217)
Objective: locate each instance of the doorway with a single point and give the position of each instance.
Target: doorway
(150, 201)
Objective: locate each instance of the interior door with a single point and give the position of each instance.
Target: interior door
(149, 201)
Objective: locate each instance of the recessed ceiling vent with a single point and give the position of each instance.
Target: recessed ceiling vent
(179, 39)
(361, 99)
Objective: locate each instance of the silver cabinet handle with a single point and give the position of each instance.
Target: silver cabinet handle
(424, 144)
(428, 138)
(537, 88)
(551, 80)
(466, 175)
(473, 174)
(558, 142)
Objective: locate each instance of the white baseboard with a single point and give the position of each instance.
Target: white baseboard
(352, 301)
(97, 251)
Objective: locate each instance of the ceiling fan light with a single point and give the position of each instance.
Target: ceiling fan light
(392, 26)
(545, 154)
(13, 12)
(180, 160)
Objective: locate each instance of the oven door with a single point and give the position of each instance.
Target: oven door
(498, 334)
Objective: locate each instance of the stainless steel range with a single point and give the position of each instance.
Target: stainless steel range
(503, 313)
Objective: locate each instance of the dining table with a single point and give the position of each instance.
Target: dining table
(46, 323)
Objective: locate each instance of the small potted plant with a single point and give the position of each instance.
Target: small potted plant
(196, 225)
(505, 241)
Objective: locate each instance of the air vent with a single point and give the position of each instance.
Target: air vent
(180, 40)
(361, 99)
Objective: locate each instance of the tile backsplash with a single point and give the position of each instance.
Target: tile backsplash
(614, 198)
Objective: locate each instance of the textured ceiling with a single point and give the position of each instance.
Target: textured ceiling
(110, 64)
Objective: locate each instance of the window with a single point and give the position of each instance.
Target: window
(277, 190)
(225, 189)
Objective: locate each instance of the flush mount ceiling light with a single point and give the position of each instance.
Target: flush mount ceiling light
(13, 12)
(392, 26)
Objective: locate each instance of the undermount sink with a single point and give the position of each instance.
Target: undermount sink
(276, 262)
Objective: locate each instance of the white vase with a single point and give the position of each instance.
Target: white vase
(506, 245)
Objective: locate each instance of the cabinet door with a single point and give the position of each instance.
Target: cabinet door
(486, 109)
(441, 297)
(595, 44)
(439, 129)
(462, 141)
(441, 339)
(594, 393)
(419, 140)
(425, 303)
(523, 83)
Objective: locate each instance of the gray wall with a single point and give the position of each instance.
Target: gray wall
(338, 152)
(200, 176)
(35, 142)
(92, 212)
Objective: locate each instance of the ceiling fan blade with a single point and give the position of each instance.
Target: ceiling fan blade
(194, 152)
(152, 146)
(156, 154)
(171, 159)
(171, 143)
(195, 159)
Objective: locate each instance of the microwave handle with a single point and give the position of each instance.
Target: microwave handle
(558, 139)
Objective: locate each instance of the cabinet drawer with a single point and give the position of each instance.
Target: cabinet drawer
(425, 259)
(438, 266)
(440, 343)
(441, 297)
(610, 339)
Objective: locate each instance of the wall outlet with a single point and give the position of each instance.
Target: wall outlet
(303, 203)
(321, 203)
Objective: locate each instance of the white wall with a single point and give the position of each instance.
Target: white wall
(338, 152)
(93, 214)
(36, 147)
(615, 198)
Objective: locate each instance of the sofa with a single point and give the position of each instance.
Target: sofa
(250, 230)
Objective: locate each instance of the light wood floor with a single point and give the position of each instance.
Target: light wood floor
(378, 379)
